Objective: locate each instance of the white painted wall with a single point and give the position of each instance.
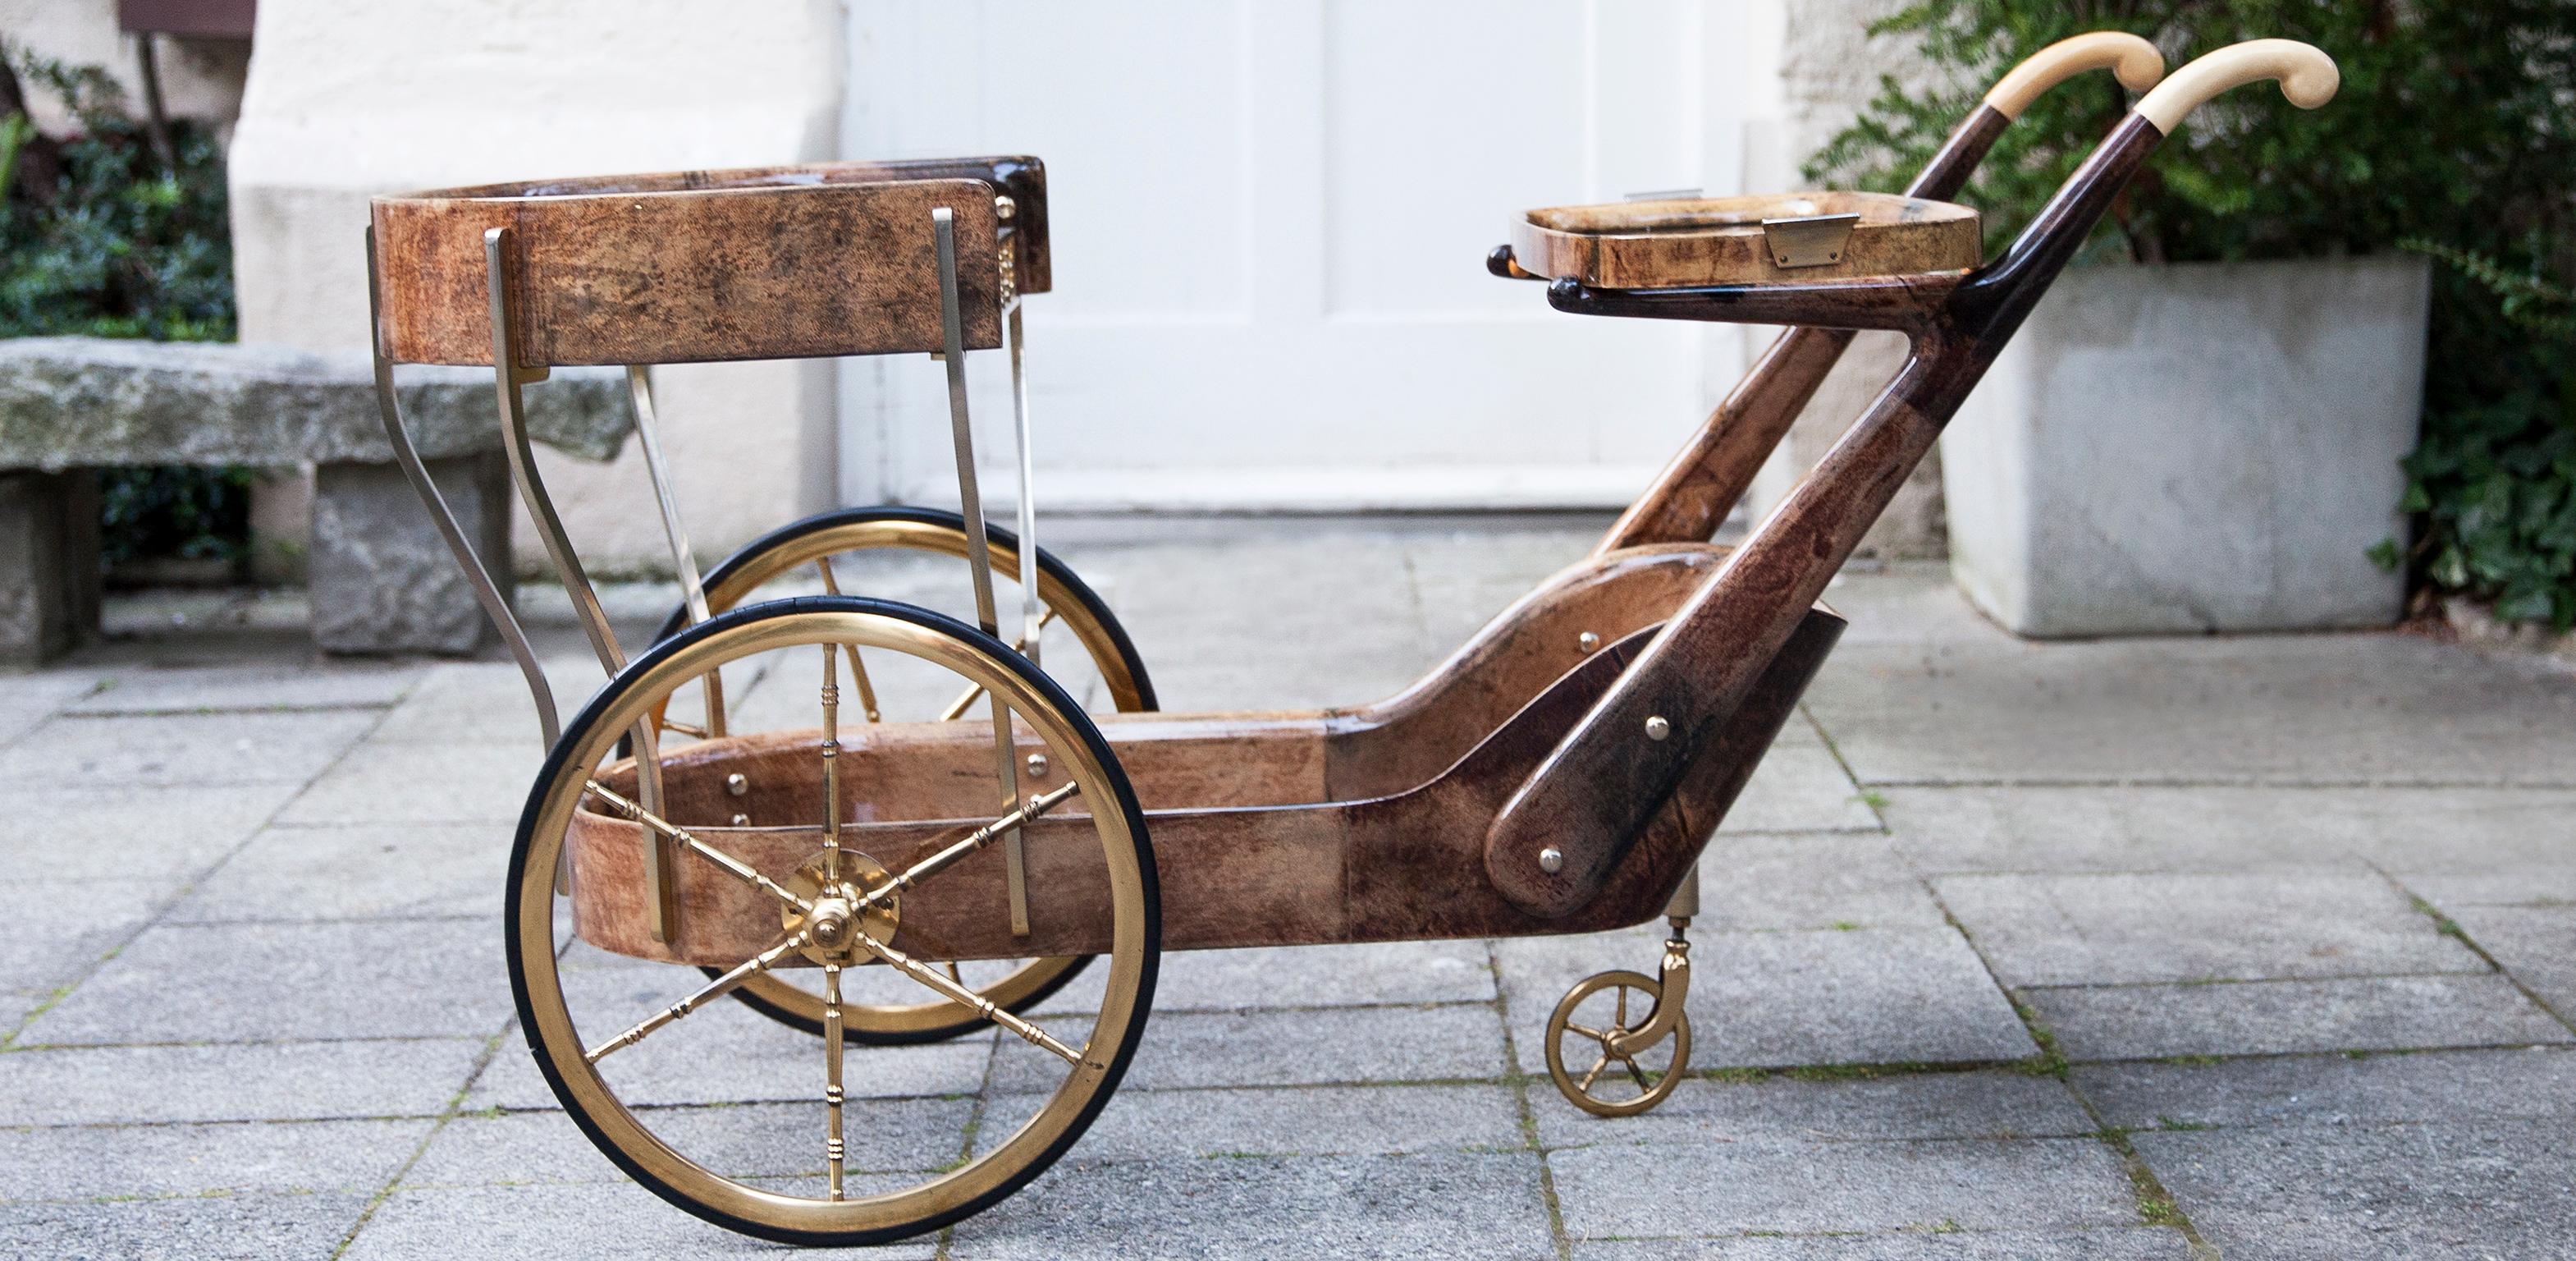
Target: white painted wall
(348, 100)
(1269, 219)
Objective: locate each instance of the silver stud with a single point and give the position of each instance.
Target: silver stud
(1587, 641)
(737, 784)
(742, 820)
(1657, 728)
(1551, 860)
(1037, 766)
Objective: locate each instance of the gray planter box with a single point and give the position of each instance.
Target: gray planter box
(2195, 448)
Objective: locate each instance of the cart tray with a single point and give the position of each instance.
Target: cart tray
(1782, 238)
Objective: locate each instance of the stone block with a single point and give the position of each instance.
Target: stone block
(2529, 1083)
(49, 564)
(2193, 448)
(2399, 1013)
(383, 579)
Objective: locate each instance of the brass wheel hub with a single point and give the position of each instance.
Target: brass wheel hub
(839, 919)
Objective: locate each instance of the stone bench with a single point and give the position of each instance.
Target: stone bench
(382, 581)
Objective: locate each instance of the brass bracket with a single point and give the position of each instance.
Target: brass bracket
(1811, 241)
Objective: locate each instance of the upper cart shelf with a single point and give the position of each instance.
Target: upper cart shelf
(1780, 238)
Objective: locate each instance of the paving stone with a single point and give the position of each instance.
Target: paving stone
(2321, 709)
(1291, 1121)
(110, 833)
(743, 1140)
(218, 1228)
(308, 873)
(1289, 1048)
(1805, 881)
(1444, 1205)
(485, 703)
(1800, 788)
(163, 749)
(1976, 1184)
(119, 1161)
(382, 783)
(1320, 976)
(2450, 1189)
(2335, 1089)
(272, 982)
(2108, 1243)
(2273, 1017)
(277, 1082)
(27, 700)
(2535, 944)
(1988, 1104)
(2467, 831)
(1866, 996)
(2113, 929)
(617, 1221)
(60, 929)
(205, 689)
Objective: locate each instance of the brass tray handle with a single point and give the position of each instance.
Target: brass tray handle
(2132, 60)
(2308, 78)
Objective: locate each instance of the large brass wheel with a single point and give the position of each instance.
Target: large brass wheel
(848, 551)
(790, 1140)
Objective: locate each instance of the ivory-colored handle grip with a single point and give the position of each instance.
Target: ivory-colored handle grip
(2308, 77)
(2134, 61)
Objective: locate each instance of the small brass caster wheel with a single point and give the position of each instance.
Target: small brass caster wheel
(1606, 1016)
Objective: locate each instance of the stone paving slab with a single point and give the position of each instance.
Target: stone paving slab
(2276, 1017)
(1289, 1048)
(112, 832)
(60, 929)
(1408, 972)
(206, 689)
(763, 1140)
(385, 782)
(26, 700)
(1865, 996)
(2335, 1089)
(1258, 1209)
(278, 1082)
(371, 872)
(1974, 1184)
(2109, 1243)
(2537, 944)
(1776, 880)
(273, 982)
(129, 1161)
(1800, 788)
(2125, 929)
(218, 1228)
(164, 749)
(1293, 1121)
(1980, 1104)
(2446, 1189)
(2273, 709)
(616, 1221)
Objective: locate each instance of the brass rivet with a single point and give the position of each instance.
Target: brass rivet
(1657, 728)
(1551, 860)
(1587, 641)
(1037, 766)
(736, 784)
(742, 820)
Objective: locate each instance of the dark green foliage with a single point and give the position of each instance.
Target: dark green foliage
(2456, 125)
(120, 246)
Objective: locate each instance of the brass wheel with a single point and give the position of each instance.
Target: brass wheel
(846, 1158)
(831, 551)
(1620, 1003)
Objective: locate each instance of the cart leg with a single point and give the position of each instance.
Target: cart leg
(1615, 1040)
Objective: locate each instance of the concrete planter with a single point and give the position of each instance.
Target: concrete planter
(2195, 448)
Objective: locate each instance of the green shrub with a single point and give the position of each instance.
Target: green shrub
(119, 244)
(2456, 127)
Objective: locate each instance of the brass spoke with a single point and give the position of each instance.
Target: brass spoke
(967, 998)
(831, 765)
(954, 974)
(1635, 1072)
(1619, 1019)
(714, 989)
(858, 668)
(832, 1146)
(957, 708)
(725, 862)
(677, 727)
(1594, 1034)
(1585, 1086)
(972, 841)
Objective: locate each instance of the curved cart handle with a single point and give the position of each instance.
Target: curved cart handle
(2308, 77)
(2130, 59)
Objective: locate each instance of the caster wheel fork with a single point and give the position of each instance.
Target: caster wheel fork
(1629, 1014)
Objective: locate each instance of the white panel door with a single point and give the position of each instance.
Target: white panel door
(1269, 220)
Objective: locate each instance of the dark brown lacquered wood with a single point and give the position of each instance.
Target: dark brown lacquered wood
(1721, 240)
(1691, 497)
(1586, 799)
(758, 263)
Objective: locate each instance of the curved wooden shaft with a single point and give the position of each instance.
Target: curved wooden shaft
(1690, 498)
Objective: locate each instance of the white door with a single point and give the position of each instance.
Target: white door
(1269, 221)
